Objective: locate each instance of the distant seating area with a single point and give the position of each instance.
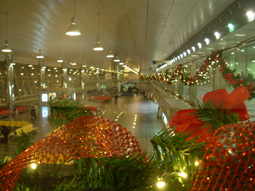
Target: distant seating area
(129, 93)
(23, 125)
(26, 129)
(100, 97)
(20, 109)
(7, 112)
(14, 123)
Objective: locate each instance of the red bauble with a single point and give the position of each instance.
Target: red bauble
(228, 162)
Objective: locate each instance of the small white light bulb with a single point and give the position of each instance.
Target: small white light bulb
(33, 166)
(183, 174)
(161, 184)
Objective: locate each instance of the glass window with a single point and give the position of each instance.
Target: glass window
(52, 95)
(241, 61)
(251, 62)
(44, 97)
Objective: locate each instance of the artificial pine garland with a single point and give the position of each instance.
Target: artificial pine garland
(214, 59)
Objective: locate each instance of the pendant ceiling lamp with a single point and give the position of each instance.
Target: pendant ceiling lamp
(121, 62)
(73, 63)
(116, 59)
(60, 58)
(98, 46)
(6, 47)
(73, 29)
(39, 55)
(110, 54)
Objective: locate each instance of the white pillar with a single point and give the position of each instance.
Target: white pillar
(82, 79)
(192, 88)
(64, 70)
(172, 88)
(9, 90)
(180, 87)
(42, 73)
(219, 82)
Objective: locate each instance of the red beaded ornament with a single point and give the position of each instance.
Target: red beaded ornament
(86, 136)
(228, 162)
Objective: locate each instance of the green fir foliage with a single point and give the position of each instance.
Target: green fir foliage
(64, 110)
(24, 141)
(173, 154)
(215, 117)
(177, 155)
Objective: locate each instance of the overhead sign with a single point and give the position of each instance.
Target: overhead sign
(157, 62)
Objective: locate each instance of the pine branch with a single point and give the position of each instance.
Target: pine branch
(176, 153)
(215, 117)
(64, 110)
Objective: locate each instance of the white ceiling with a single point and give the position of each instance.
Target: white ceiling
(141, 30)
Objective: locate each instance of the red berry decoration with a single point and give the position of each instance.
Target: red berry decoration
(229, 160)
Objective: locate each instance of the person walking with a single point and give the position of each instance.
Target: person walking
(33, 114)
(37, 110)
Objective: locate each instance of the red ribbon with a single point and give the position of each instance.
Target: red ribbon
(191, 124)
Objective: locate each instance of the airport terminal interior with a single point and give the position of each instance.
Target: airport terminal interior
(127, 95)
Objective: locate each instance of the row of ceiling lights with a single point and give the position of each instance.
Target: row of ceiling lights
(56, 69)
(249, 14)
(71, 31)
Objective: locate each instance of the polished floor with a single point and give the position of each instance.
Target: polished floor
(135, 113)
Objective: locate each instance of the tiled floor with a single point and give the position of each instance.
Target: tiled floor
(136, 113)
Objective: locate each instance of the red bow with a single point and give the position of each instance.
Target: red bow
(234, 102)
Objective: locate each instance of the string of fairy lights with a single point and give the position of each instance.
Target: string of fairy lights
(181, 73)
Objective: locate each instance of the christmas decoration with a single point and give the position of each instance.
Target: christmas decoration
(217, 110)
(103, 155)
(228, 162)
(86, 137)
(202, 74)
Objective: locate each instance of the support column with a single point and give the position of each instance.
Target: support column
(97, 71)
(64, 69)
(10, 83)
(172, 88)
(193, 88)
(42, 73)
(118, 69)
(118, 78)
(219, 82)
(180, 88)
(82, 80)
(118, 88)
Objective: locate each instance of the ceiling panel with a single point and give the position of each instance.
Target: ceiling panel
(145, 29)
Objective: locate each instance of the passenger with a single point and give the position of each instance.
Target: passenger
(33, 114)
(37, 110)
(5, 131)
(116, 97)
(16, 111)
